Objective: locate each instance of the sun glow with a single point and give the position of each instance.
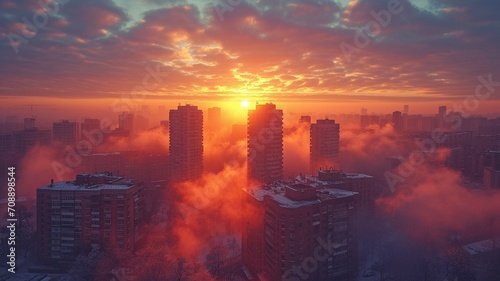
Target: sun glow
(244, 104)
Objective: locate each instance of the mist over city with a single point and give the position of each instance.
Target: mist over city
(261, 140)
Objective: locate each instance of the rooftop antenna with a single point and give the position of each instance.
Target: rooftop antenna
(32, 105)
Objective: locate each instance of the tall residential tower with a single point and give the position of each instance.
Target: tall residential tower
(186, 142)
(265, 143)
(324, 150)
(65, 132)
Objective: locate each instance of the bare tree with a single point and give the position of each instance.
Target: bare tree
(224, 260)
(426, 270)
(26, 230)
(381, 263)
(84, 266)
(155, 261)
(460, 265)
(491, 261)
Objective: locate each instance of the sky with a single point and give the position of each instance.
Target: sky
(427, 52)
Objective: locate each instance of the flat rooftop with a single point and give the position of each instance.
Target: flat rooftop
(276, 191)
(89, 182)
(481, 247)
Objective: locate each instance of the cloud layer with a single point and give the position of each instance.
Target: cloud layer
(276, 48)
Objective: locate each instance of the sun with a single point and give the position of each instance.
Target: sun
(245, 103)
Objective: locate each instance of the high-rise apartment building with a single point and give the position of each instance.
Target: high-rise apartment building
(30, 123)
(186, 142)
(368, 120)
(491, 174)
(362, 184)
(30, 136)
(89, 127)
(265, 143)
(305, 119)
(441, 118)
(95, 209)
(325, 144)
(397, 121)
(6, 144)
(65, 132)
(213, 118)
(126, 122)
(442, 110)
(406, 109)
(300, 232)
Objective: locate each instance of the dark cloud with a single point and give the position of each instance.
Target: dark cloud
(92, 19)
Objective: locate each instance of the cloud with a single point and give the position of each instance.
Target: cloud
(38, 167)
(433, 205)
(296, 150)
(210, 209)
(267, 47)
(92, 19)
(151, 140)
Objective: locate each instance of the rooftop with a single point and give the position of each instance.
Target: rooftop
(482, 246)
(99, 181)
(277, 192)
(329, 177)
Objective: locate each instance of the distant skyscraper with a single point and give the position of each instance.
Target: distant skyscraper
(29, 123)
(324, 148)
(406, 109)
(491, 173)
(213, 118)
(30, 136)
(6, 144)
(367, 120)
(126, 122)
(305, 119)
(364, 111)
(89, 126)
(440, 117)
(442, 110)
(186, 142)
(364, 121)
(65, 132)
(164, 124)
(265, 143)
(397, 120)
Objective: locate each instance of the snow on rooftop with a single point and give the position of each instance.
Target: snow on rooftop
(98, 181)
(357, 176)
(70, 185)
(106, 153)
(315, 181)
(482, 246)
(282, 199)
(276, 191)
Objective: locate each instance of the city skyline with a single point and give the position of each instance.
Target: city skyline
(217, 193)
